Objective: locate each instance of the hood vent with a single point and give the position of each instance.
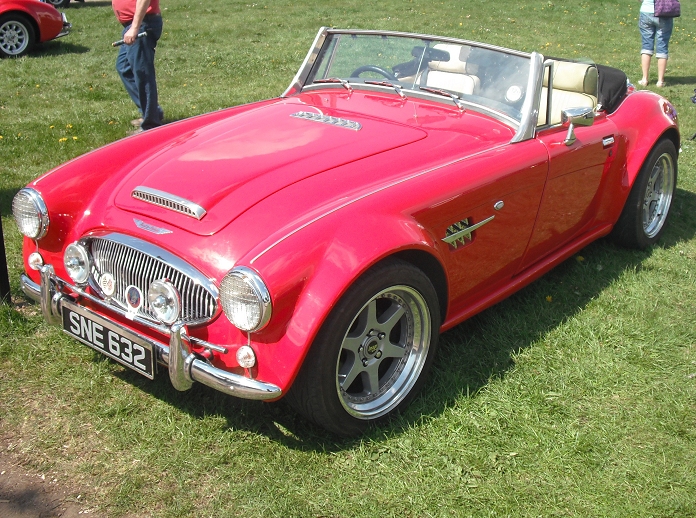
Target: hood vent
(168, 201)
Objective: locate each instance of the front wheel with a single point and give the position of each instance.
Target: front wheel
(647, 208)
(373, 352)
(16, 35)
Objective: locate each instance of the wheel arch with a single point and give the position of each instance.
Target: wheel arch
(432, 268)
(26, 16)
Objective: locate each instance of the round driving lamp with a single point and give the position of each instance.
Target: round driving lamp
(76, 261)
(30, 213)
(245, 299)
(165, 301)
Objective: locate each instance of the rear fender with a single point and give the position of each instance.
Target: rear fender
(643, 119)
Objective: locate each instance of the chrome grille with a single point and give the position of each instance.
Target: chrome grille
(133, 262)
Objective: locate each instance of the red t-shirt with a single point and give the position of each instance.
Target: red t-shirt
(125, 9)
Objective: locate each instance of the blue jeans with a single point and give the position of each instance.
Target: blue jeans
(652, 27)
(136, 66)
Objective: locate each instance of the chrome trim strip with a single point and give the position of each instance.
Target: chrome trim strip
(192, 367)
(532, 101)
(168, 201)
(327, 119)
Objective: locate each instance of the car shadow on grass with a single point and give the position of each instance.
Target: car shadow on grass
(56, 48)
(470, 355)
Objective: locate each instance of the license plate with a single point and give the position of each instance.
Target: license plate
(109, 338)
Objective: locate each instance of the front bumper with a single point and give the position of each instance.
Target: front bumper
(184, 366)
(67, 26)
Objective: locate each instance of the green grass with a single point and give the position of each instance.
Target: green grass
(575, 397)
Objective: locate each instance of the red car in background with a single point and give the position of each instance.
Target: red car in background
(314, 246)
(23, 23)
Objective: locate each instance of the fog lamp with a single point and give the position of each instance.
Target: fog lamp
(30, 213)
(245, 299)
(76, 261)
(246, 357)
(165, 301)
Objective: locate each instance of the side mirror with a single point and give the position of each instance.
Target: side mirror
(575, 117)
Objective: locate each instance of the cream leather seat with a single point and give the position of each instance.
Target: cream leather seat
(574, 86)
(451, 75)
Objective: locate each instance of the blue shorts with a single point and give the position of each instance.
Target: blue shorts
(651, 28)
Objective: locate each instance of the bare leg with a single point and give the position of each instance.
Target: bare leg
(661, 68)
(645, 65)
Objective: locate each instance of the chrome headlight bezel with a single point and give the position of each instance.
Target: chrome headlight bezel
(165, 301)
(28, 204)
(77, 263)
(245, 299)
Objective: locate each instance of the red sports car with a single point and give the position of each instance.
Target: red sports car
(23, 23)
(315, 245)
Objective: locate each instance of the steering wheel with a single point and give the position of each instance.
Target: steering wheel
(373, 68)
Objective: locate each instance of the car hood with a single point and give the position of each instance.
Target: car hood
(228, 166)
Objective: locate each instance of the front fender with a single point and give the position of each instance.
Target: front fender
(309, 272)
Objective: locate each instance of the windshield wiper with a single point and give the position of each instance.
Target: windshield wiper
(445, 93)
(343, 82)
(397, 88)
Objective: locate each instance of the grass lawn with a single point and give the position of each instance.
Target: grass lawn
(575, 397)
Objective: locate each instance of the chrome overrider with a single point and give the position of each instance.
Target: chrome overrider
(184, 366)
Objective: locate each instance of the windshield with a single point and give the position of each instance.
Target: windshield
(466, 74)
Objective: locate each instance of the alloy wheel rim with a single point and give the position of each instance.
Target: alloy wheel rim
(383, 352)
(13, 38)
(658, 195)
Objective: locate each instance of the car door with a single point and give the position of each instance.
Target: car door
(568, 204)
(483, 223)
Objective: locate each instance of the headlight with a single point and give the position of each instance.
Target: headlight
(165, 301)
(30, 213)
(76, 261)
(245, 299)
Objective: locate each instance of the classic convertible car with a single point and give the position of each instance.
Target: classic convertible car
(315, 245)
(23, 23)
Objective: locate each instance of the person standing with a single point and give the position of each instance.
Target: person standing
(654, 29)
(136, 58)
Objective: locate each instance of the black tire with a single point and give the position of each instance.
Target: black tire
(17, 35)
(58, 3)
(373, 353)
(647, 208)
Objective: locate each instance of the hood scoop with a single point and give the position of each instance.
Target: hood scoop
(168, 201)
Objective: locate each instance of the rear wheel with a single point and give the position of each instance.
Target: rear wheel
(17, 35)
(58, 3)
(648, 205)
(373, 352)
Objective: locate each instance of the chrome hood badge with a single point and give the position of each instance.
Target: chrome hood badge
(151, 228)
(460, 233)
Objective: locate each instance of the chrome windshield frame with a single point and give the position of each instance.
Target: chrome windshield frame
(525, 128)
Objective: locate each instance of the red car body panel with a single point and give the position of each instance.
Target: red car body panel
(47, 19)
(299, 202)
